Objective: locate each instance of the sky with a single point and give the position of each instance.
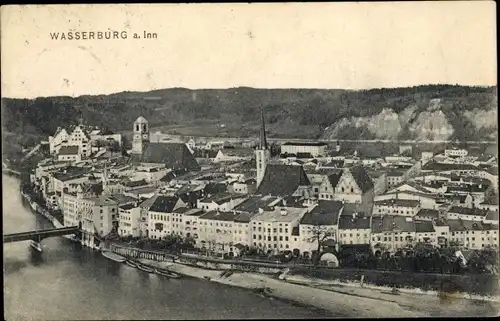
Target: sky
(288, 45)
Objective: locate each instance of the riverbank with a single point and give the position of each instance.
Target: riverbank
(338, 299)
(334, 297)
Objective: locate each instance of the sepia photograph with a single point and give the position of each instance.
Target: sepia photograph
(250, 160)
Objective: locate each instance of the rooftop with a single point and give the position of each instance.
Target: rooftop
(282, 180)
(164, 204)
(288, 214)
(398, 202)
(252, 204)
(468, 211)
(68, 150)
(325, 213)
(392, 223)
(304, 144)
(362, 178)
(219, 216)
(173, 155)
(426, 212)
(347, 222)
(424, 227)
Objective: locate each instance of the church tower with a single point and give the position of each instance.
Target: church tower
(141, 135)
(262, 153)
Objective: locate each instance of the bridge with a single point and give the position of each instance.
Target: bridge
(39, 235)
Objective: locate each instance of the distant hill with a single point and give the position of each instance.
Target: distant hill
(431, 112)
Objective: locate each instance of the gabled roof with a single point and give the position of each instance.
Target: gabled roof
(362, 178)
(147, 203)
(282, 180)
(325, 213)
(173, 155)
(334, 178)
(164, 204)
(68, 150)
(173, 174)
(418, 187)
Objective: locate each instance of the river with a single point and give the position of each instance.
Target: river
(68, 282)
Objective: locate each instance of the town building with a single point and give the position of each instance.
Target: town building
(314, 149)
(69, 154)
(465, 213)
(328, 185)
(216, 231)
(319, 225)
(162, 220)
(355, 186)
(473, 234)
(271, 229)
(394, 178)
(403, 207)
(455, 152)
(392, 233)
(129, 220)
(354, 226)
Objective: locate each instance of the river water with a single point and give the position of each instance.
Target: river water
(68, 282)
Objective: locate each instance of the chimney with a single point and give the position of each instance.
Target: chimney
(261, 210)
(283, 212)
(284, 202)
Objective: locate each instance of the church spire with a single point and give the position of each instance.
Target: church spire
(263, 141)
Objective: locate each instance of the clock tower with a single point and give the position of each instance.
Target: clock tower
(141, 135)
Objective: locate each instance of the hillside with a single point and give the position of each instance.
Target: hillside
(434, 112)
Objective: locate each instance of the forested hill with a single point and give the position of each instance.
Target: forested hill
(432, 112)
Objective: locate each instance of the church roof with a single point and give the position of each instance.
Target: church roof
(173, 155)
(282, 180)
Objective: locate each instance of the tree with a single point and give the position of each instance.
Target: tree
(320, 233)
(114, 146)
